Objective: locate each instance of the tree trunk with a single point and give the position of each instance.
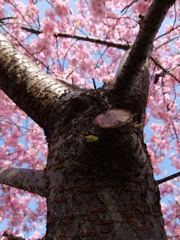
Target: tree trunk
(98, 181)
(99, 178)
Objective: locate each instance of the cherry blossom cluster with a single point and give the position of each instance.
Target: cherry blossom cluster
(34, 29)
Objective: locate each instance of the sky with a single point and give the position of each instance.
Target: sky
(166, 165)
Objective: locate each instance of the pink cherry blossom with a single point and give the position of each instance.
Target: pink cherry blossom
(22, 143)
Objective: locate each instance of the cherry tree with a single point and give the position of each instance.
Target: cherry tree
(57, 73)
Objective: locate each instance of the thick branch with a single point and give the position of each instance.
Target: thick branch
(168, 178)
(113, 135)
(114, 118)
(27, 85)
(142, 44)
(110, 125)
(25, 179)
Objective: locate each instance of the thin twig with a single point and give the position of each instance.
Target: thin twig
(94, 83)
(174, 236)
(94, 40)
(126, 8)
(167, 72)
(173, 28)
(23, 46)
(168, 178)
(31, 30)
(168, 41)
(103, 42)
(6, 18)
(164, 34)
(82, 38)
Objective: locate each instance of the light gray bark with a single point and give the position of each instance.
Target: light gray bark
(27, 85)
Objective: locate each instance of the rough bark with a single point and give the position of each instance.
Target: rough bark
(28, 86)
(25, 179)
(98, 180)
(99, 189)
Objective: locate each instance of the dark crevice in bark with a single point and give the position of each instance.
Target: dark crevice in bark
(102, 188)
(27, 85)
(98, 183)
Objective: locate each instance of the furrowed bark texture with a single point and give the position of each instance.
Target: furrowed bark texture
(25, 179)
(99, 182)
(28, 86)
(102, 189)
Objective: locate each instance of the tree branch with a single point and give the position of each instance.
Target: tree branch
(82, 38)
(25, 179)
(105, 43)
(102, 42)
(109, 126)
(164, 70)
(141, 47)
(109, 44)
(94, 40)
(168, 178)
(31, 30)
(114, 118)
(12, 237)
(27, 85)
